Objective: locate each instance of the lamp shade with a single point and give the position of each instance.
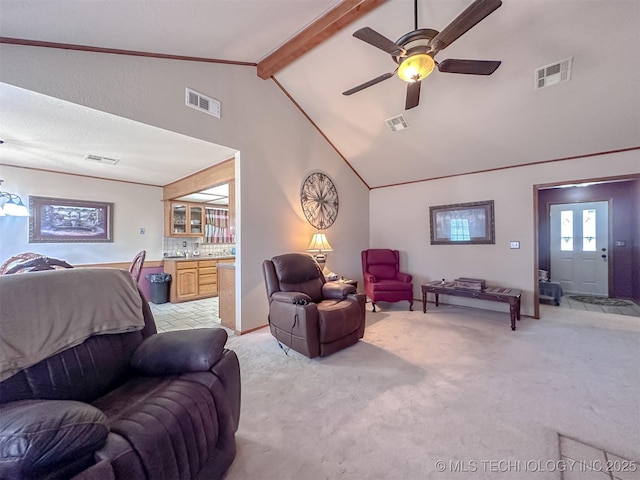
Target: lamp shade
(319, 243)
(11, 205)
(11, 208)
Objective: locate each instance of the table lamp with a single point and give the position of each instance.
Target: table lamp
(320, 244)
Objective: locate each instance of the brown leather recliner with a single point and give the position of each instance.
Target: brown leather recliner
(307, 313)
(107, 396)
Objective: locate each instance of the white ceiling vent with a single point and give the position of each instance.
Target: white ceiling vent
(100, 159)
(397, 123)
(201, 102)
(553, 73)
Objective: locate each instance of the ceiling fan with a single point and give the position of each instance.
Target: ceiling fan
(414, 52)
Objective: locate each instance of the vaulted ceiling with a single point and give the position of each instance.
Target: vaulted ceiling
(464, 123)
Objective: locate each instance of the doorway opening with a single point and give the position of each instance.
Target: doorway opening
(581, 268)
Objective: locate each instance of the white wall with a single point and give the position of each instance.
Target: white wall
(399, 219)
(135, 206)
(278, 146)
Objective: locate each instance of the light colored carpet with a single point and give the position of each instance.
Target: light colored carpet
(454, 385)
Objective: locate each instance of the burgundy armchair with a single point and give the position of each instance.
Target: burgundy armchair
(383, 281)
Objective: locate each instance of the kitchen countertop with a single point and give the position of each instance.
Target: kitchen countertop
(206, 257)
(227, 265)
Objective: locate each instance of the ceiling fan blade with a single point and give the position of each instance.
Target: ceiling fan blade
(470, 67)
(413, 95)
(369, 83)
(476, 12)
(374, 38)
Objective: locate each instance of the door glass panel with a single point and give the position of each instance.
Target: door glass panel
(196, 219)
(179, 218)
(566, 230)
(589, 230)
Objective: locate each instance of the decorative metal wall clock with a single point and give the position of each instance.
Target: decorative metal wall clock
(319, 199)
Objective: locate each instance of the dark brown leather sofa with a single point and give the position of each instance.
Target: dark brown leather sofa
(307, 313)
(130, 405)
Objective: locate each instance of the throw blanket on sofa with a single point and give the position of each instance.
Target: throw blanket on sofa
(43, 313)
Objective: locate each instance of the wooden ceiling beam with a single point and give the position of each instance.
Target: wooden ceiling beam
(323, 28)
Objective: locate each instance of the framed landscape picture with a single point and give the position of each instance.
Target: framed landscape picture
(61, 220)
(462, 223)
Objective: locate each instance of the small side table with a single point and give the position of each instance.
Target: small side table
(550, 291)
(347, 281)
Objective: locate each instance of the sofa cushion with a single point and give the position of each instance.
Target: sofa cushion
(337, 290)
(337, 319)
(61, 309)
(311, 288)
(180, 351)
(381, 255)
(299, 273)
(38, 433)
(295, 268)
(383, 271)
(171, 422)
(83, 373)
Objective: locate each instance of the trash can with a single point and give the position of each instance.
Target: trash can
(159, 287)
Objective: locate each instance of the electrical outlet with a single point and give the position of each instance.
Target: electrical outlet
(514, 244)
(184, 244)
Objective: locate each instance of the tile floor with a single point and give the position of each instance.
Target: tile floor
(582, 461)
(180, 316)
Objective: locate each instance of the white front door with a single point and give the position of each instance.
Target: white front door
(580, 247)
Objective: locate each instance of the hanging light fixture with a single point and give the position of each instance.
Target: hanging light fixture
(11, 205)
(416, 67)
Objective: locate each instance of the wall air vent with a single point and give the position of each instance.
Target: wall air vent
(553, 73)
(100, 159)
(397, 123)
(201, 102)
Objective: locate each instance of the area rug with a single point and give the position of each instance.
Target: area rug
(603, 301)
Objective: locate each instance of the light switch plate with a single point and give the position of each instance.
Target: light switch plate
(514, 244)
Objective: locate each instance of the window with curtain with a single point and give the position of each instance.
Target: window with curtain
(217, 228)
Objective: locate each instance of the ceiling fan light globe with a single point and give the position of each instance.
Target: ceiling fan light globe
(416, 67)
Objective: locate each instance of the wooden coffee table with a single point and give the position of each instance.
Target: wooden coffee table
(495, 294)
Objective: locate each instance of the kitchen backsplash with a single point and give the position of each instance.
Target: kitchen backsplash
(172, 246)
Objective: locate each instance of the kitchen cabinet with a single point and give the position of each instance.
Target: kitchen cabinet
(227, 294)
(186, 281)
(192, 279)
(207, 278)
(183, 219)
